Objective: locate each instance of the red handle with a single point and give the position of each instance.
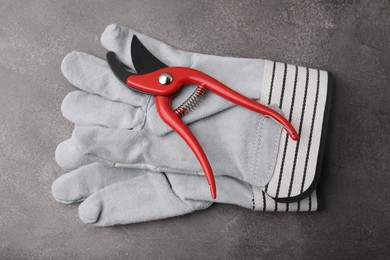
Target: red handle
(149, 83)
(173, 120)
(235, 97)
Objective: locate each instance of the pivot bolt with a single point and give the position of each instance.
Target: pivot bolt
(165, 78)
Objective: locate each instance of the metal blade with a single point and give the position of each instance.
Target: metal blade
(120, 70)
(144, 61)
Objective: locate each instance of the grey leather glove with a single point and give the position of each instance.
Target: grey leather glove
(117, 127)
(302, 94)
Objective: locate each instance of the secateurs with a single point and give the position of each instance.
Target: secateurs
(153, 77)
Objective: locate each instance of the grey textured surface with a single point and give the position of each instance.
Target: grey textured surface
(349, 38)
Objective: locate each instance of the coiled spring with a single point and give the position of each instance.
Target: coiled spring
(191, 102)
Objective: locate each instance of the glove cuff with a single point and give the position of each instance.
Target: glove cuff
(303, 95)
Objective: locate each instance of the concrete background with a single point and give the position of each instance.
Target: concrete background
(349, 38)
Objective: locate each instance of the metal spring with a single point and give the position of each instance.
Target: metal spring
(191, 103)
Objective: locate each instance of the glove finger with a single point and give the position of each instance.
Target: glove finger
(114, 146)
(135, 149)
(82, 108)
(93, 75)
(69, 158)
(118, 39)
(143, 198)
(79, 184)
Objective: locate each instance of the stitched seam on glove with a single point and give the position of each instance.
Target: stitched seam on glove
(274, 156)
(94, 157)
(255, 150)
(257, 158)
(137, 166)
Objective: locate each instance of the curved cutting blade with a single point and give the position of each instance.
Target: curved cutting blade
(120, 70)
(143, 60)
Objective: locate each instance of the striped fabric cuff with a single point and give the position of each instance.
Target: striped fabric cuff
(302, 95)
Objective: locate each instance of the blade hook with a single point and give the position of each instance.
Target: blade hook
(120, 70)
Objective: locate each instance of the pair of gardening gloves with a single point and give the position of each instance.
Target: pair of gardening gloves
(125, 165)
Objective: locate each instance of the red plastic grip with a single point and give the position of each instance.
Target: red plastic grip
(173, 120)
